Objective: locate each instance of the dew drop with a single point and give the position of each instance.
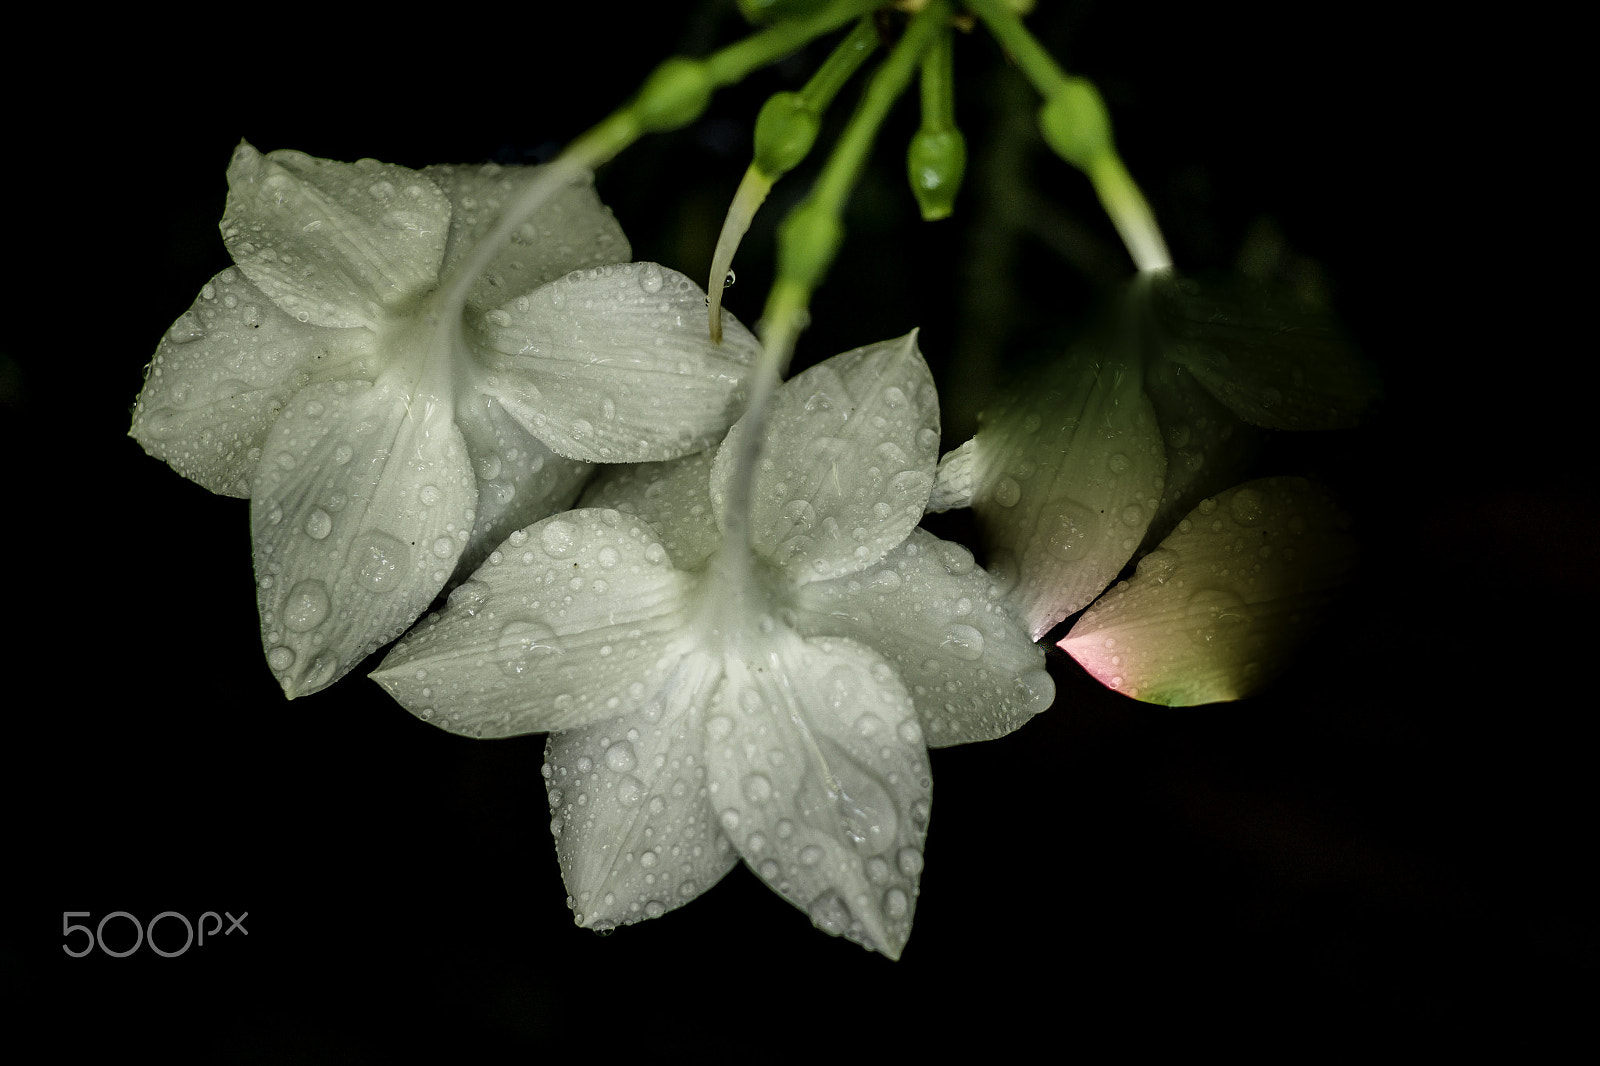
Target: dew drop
(306, 606)
(1007, 492)
(318, 524)
(1072, 530)
(1247, 506)
(523, 645)
(757, 787)
(380, 562)
(620, 757)
(965, 641)
(559, 537)
(650, 278)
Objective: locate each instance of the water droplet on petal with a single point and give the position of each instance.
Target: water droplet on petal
(523, 645)
(306, 606)
(559, 537)
(318, 524)
(380, 561)
(1007, 492)
(965, 641)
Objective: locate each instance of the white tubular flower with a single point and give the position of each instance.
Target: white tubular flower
(712, 700)
(393, 403)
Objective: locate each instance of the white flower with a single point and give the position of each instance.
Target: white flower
(391, 415)
(715, 703)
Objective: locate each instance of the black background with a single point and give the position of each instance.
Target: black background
(1390, 843)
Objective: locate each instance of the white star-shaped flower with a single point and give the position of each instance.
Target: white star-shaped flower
(714, 700)
(394, 396)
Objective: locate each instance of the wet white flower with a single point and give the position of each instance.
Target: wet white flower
(394, 396)
(713, 700)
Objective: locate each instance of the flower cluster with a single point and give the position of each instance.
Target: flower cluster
(394, 401)
(707, 705)
(741, 642)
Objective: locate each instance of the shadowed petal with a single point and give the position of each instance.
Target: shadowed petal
(634, 830)
(1273, 360)
(361, 505)
(820, 778)
(613, 365)
(520, 481)
(333, 244)
(572, 621)
(941, 621)
(1208, 446)
(222, 374)
(847, 463)
(573, 230)
(1213, 613)
(1067, 478)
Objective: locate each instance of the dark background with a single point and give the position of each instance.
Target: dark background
(1391, 842)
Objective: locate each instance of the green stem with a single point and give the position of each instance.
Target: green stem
(841, 64)
(732, 63)
(1093, 152)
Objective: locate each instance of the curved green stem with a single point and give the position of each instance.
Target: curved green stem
(785, 133)
(1076, 126)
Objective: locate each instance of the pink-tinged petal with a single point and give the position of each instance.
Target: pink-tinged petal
(634, 829)
(819, 775)
(941, 621)
(1215, 611)
(577, 619)
(572, 231)
(1067, 478)
(847, 462)
(360, 507)
(222, 374)
(614, 365)
(333, 244)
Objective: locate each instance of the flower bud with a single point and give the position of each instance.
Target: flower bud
(1075, 124)
(935, 162)
(785, 131)
(674, 95)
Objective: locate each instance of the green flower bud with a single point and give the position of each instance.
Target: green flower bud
(674, 95)
(807, 242)
(785, 131)
(935, 161)
(1075, 123)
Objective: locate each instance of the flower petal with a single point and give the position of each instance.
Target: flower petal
(820, 777)
(1208, 446)
(360, 507)
(634, 832)
(334, 244)
(1069, 477)
(573, 230)
(572, 621)
(222, 374)
(1273, 362)
(614, 365)
(520, 481)
(847, 463)
(940, 620)
(674, 497)
(1212, 613)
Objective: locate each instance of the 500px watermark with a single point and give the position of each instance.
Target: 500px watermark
(145, 933)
